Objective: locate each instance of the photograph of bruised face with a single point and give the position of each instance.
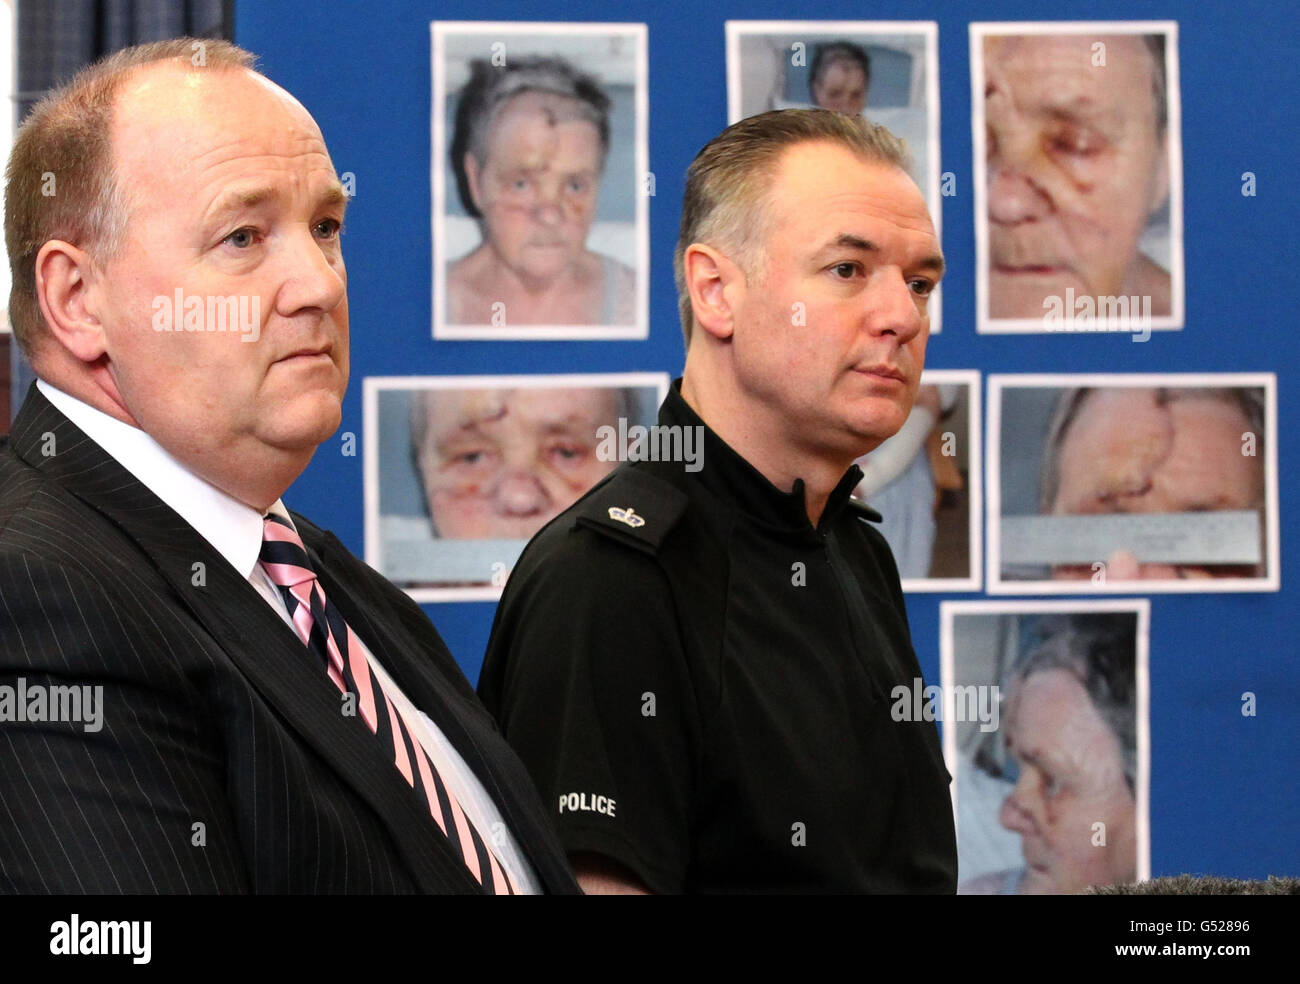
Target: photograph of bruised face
(501, 463)
(1142, 450)
(1077, 157)
(530, 148)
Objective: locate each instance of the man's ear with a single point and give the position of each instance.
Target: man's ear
(717, 286)
(64, 285)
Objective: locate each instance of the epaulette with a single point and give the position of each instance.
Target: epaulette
(633, 507)
(864, 511)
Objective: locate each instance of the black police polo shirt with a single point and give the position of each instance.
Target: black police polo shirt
(700, 684)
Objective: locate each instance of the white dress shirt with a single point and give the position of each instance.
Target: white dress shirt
(235, 531)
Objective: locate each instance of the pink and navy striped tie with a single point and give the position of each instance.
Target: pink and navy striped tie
(327, 636)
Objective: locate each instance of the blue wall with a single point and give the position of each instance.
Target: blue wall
(1225, 796)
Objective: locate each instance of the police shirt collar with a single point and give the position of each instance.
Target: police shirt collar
(735, 480)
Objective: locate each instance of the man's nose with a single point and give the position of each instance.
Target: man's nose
(894, 307)
(313, 279)
(520, 493)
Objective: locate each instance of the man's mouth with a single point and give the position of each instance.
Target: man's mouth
(306, 353)
(883, 372)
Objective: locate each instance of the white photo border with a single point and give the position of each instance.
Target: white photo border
(969, 378)
(979, 30)
(948, 610)
(439, 31)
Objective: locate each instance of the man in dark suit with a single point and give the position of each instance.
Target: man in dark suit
(199, 690)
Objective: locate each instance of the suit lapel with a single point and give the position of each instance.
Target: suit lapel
(244, 627)
(432, 693)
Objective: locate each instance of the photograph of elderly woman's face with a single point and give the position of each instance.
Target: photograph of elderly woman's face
(1121, 482)
(461, 471)
(539, 223)
(1052, 800)
(1078, 137)
(501, 463)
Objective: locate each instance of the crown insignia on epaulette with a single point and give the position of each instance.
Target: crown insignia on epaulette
(627, 515)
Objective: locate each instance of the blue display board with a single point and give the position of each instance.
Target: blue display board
(1224, 795)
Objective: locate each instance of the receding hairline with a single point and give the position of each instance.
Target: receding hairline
(137, 82)
(147, 116)
(769, 173)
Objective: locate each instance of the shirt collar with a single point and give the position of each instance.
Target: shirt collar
(734, 479)
(232, 528)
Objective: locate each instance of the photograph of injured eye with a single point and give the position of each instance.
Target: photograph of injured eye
(503, 462)
(1169, 485)
(1078, 132)
(466, 469)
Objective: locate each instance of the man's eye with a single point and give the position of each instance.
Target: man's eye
(845, 270)
(922, 287)
(329, 228)
(578, 185)
(242, 238)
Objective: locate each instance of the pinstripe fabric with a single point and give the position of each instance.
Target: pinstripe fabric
(332, 642)
(224, 763)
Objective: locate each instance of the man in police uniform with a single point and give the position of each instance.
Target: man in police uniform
(696, 660)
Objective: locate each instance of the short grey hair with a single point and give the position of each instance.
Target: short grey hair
(491, 87)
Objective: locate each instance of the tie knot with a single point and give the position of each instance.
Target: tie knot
(283, 556)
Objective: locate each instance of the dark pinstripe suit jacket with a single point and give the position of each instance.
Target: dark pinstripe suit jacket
(224, 763)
